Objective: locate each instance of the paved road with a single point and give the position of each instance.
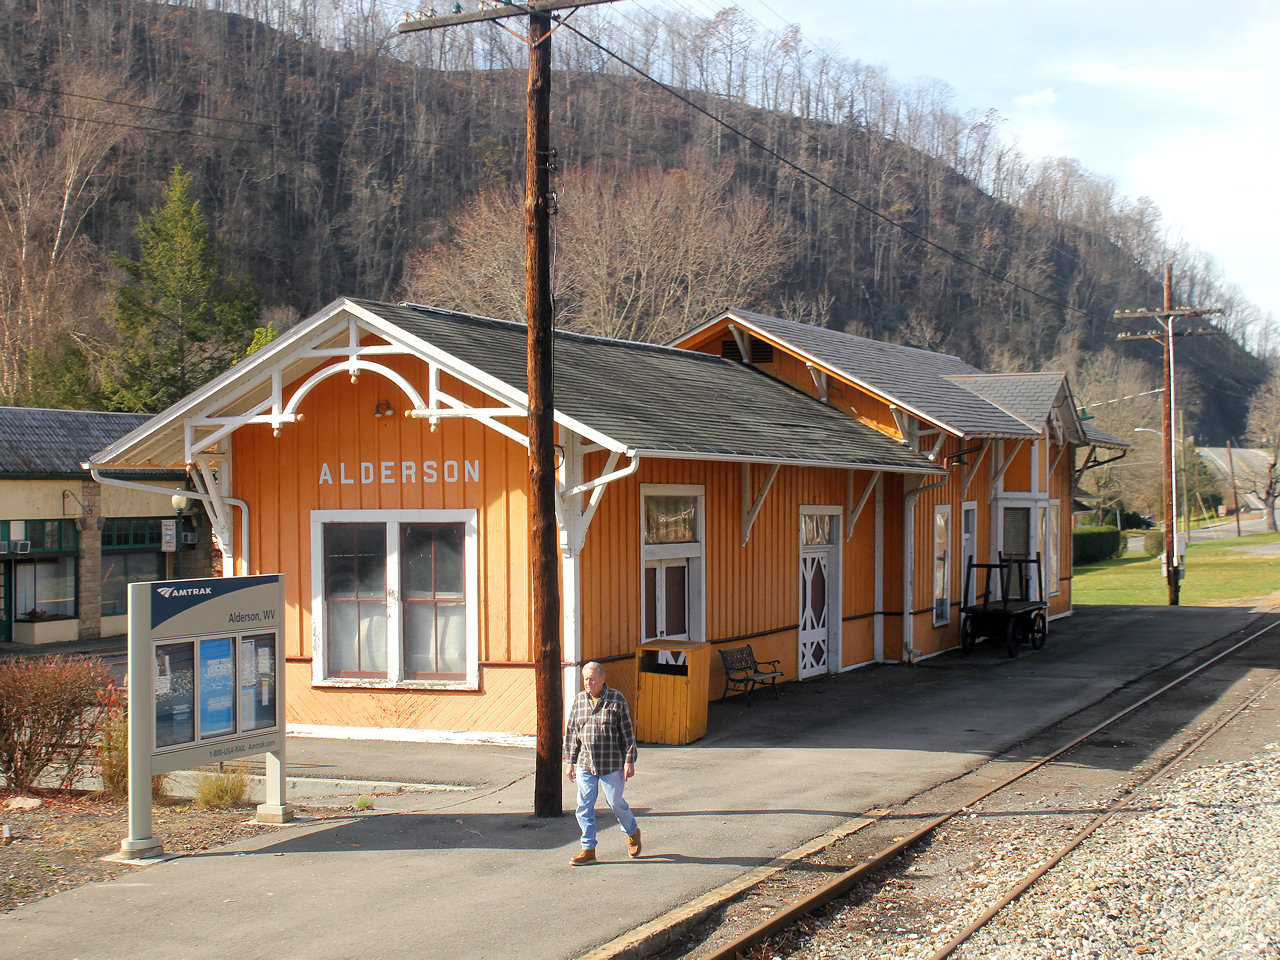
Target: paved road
(1244, 464)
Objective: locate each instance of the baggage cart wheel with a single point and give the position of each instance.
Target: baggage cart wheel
(1039, 628)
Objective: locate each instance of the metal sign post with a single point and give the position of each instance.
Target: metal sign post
(206, 684)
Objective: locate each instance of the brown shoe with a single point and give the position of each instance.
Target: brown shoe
(633, 844)
(584, 857)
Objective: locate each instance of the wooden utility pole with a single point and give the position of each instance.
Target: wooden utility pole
(544, 554)
(1172, 561)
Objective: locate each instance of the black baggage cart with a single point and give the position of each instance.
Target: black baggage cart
(1010, 608)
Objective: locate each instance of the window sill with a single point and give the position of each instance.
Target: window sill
(365, 683)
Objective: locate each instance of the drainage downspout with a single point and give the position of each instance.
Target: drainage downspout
(909, 563)
(206, 498)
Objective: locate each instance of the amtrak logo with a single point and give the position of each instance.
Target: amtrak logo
(168, 592)
(172, 599)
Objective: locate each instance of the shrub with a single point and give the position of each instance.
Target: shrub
(113, 751)
(1153, 543)
(1094, 544)
(50, 715)
(222, 790)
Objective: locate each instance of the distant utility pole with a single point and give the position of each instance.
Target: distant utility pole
(544, 554)
(1173, 566)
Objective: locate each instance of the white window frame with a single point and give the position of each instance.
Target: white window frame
(1051, 544)
(653, 554)
(968, 550)
(939, 511)
(392, 520)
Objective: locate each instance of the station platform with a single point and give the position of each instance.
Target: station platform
(461, 869)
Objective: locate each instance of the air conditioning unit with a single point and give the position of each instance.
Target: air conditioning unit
(189, 538)
(20, 546)
(4, 546)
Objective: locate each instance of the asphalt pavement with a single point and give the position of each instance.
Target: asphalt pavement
(455, 865)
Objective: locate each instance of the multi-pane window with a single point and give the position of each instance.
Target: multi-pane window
(45, 589)
(1049, 518)
(44, 572)
(355, 595)
(130, 554)
(398, 597)
(435, 600)
(671, 546)
(942, 564)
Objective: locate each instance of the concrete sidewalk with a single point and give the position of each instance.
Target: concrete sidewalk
(469, 873)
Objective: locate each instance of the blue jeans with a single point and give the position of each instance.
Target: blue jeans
(589, 785)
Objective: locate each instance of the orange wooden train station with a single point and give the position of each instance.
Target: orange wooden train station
(813, 494)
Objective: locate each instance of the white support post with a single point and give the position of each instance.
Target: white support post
(274, 810)
(140, 844)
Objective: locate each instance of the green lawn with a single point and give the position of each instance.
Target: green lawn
(1216, 571)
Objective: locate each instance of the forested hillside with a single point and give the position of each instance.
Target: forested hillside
(333, 157)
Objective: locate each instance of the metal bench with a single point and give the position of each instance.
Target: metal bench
(743, 672)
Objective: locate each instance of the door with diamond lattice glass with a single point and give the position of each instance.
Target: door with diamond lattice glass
(816, 538)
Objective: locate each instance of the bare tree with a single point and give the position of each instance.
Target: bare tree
(640, 257)
(56, 160)
(1264, 432)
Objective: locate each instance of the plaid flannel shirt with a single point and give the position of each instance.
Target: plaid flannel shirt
(601, 738)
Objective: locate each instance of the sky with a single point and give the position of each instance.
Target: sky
(1177, 100)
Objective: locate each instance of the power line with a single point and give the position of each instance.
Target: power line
(804, 172)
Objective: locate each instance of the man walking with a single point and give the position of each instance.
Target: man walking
(600, 751)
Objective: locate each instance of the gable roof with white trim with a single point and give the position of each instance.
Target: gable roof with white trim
(921, 382)
(641, 399)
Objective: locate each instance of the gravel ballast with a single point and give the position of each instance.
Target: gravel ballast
(1196, 873)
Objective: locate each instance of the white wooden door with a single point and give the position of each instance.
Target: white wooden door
(815, 570)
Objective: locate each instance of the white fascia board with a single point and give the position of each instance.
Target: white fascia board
(836, 371)
(786, 461)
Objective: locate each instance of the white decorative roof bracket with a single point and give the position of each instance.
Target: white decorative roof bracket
(819, 381)
(223, 426)
(872, 482)
(353, 366)
(743, 339)
(972, 470)
(219, 509)
(900, 418)
(1062, 448)
(575, 522)
(749, 514)
(996, 480)
(937, 446)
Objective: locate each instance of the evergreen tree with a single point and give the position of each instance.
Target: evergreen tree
(180, 319)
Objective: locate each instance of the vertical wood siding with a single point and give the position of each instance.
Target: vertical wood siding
(280, 479)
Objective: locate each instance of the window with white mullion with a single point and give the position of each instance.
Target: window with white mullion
(397, 591)
(671, 562)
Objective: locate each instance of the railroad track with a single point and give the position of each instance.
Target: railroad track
(921, 880)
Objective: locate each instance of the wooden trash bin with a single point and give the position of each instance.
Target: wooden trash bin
(671, 691)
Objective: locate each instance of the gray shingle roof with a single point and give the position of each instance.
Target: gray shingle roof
(663, 401)
(37, 442)
(917, 380)
(1028, 396)
(1100, 438)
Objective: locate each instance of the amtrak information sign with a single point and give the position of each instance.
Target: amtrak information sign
(210, 650)
(205, 685)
